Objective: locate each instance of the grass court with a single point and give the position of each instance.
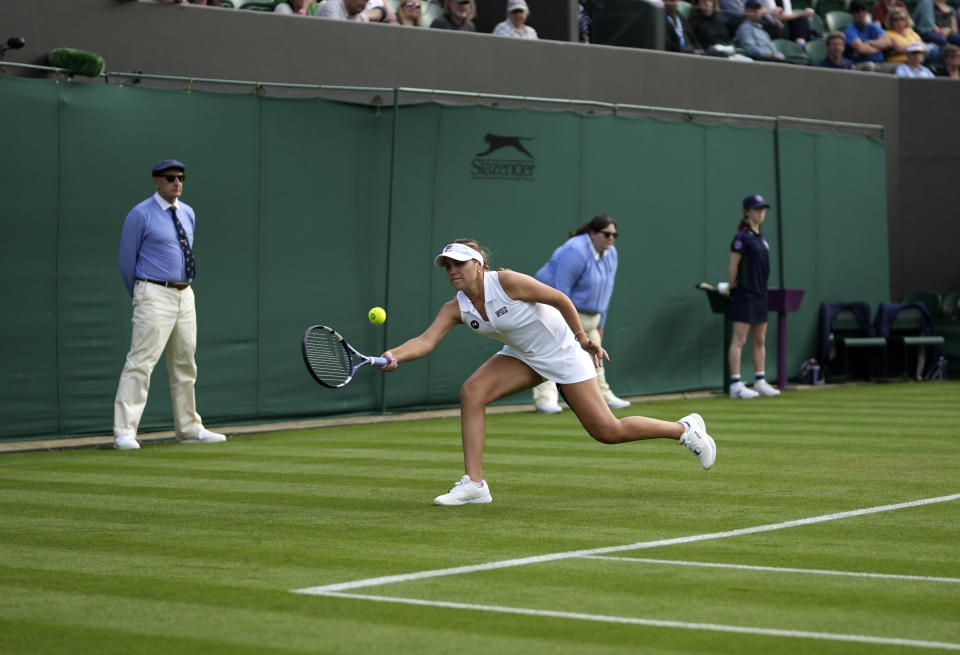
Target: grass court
(829, 524)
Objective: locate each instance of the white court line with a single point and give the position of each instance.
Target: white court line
(656, 623)
(777, 569)
(552, 557)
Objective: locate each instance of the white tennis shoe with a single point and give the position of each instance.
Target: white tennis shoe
(465, 492)
(616, 403)
(546, 407)
(695, 438)
(126, 442)
(764, 388)
(206, 436)
(740, 390)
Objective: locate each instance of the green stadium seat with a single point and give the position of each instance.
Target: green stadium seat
(816, 50)
(258, 5)
(817, 26)
(949, 307)
(683, 8)
(838, 20)
(929, 299)
(791, 51)
(824, 7)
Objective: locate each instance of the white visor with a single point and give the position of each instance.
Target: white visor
(458, 252)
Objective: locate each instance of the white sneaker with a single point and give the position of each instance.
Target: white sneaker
(206, 436)
(616, 403)
(740, 390)
(126, 442)
(764, 388)
(695, 438)
(546, 407)
(465, 492)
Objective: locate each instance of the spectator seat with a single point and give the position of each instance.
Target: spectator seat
(929, 299)
(846, 327)
(791, 51)
(949, 307)
(816, 50)
(911, 325)
(838, 20)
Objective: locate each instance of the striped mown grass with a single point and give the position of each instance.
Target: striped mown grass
(177, 548)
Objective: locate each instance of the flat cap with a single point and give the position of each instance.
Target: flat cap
(165, 164)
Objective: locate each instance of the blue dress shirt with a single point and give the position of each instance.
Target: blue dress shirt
(149, 245)
(575, 270)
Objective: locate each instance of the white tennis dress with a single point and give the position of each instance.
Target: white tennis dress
(534, 333)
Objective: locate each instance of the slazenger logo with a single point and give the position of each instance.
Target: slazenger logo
(520, 167)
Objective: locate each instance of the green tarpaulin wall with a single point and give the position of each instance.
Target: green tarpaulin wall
(312, 211)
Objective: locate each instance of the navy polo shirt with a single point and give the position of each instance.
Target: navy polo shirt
(755, 262)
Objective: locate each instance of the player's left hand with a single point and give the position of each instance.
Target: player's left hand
(596, 351)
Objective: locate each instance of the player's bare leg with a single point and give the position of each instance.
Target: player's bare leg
(588, 404)
(499, 376)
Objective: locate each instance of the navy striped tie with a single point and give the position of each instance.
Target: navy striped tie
(189, 264)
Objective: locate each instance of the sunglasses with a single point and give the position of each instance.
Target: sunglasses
(172, 178)
(411, 4)
(609, 235)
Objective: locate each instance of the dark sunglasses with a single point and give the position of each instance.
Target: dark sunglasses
(411, 4)
(172, 178)
(609, 235)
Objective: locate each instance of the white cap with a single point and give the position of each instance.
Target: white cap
(459, 252)
(517, 4)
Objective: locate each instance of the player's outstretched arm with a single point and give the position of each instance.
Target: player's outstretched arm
(423, 345)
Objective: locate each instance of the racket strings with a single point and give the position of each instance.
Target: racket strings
(327, 357)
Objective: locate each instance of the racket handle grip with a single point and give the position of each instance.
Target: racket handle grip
(379, 361)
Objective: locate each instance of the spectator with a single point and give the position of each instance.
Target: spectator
(901, 34)
(677, 35)
(516, 24)
(951, 61)
(158, 267)
(733, 13)
(755, 40)
(936, 22)
(793, 25)
(584, 268)
(583, 24)
(883, 7)
(457, 15)
(771, 21)
(362, 11)
(409, 13)
(378, 11)
(865, 40)
(298, 7)
(914, 66)
(836, 45)
(344, 10)
(709, 29)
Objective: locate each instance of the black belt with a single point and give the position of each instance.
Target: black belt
(180, 286)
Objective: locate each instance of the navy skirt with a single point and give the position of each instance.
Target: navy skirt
(748, 307)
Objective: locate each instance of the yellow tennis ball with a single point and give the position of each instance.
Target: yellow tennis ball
(377, 315)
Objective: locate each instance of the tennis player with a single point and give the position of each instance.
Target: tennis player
(543, 338)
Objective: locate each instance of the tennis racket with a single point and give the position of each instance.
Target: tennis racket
(330, 359)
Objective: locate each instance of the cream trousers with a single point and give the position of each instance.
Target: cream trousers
(546, 392)
(164, 321)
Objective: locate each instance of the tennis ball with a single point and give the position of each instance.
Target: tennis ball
(377, 315)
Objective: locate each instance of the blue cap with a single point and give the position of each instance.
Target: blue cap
(165, 164)
(755, 201)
